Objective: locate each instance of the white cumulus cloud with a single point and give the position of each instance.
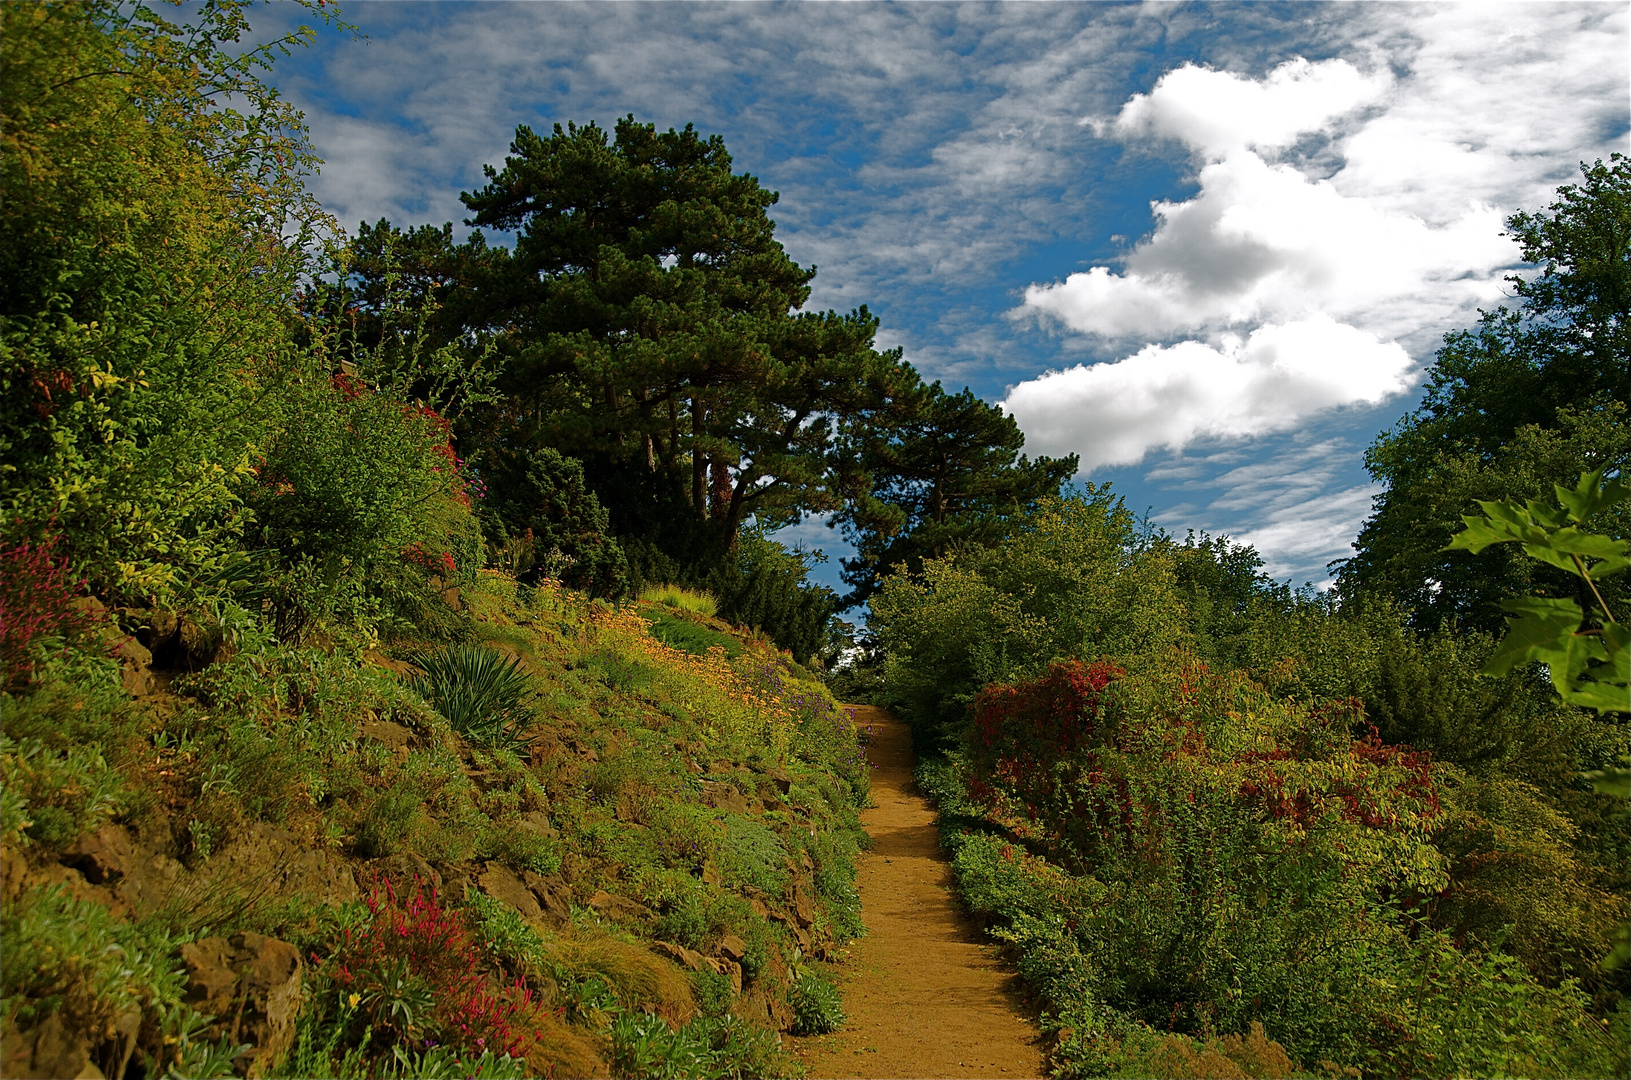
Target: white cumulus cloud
(1346, 213)
(1216, 112)
(1170, 395)
(1262, 241)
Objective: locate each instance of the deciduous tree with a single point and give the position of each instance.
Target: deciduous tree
(1528, 398)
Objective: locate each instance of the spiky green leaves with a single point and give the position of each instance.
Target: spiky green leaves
(480, 691)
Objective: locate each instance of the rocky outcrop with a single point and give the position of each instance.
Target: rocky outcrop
(503, 885)
(251, 984)
(619, 908)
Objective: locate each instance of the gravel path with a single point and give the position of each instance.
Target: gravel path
(924, 994)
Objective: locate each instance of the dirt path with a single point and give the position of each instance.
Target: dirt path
(925, 997)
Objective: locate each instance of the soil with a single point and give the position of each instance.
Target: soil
(924, 994)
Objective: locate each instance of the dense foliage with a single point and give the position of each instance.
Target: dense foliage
(298, 777)
(145, 261)
(375, 698)
(1178, 850)
(650, 327)
(1229, 829)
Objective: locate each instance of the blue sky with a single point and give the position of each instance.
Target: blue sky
(1210, 248)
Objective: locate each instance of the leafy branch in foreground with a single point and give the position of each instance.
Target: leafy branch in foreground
(1555, 631)
(1590, 665)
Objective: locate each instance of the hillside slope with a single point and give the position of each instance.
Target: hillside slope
(223, 856)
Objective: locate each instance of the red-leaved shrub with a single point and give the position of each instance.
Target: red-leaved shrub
(415, 971)
(1098, 770)
(37, 595)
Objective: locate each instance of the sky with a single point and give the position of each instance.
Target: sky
(1209, 248)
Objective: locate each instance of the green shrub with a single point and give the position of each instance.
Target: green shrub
(643, 1045)
(1427, 691)
(1073, 578)
(60, 795)
(684, 918)
(389, 819)
(359, 497)
(147, 287)
(818, 1005)
(1518, 881)
(714, 992)
(833, 852)
(480, 692)
(753, 854)
(542, 515)
(687, 636)
(617, 672)
(521, 849)
(504, 934)
(71, 958)
(1207, 856)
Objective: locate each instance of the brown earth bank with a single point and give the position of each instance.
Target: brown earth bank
(924, 994)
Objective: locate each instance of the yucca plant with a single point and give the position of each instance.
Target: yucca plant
(479, 690)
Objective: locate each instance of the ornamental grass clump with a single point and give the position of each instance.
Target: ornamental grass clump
(676, 596)
(480, 691)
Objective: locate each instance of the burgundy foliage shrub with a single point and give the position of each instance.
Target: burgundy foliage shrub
(37, 594)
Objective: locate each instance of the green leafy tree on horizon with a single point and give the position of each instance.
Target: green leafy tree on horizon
(654, 331)
(938, 472)
(1528, 398)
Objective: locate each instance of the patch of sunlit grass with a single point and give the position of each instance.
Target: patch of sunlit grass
(675, 596)
(722, 693)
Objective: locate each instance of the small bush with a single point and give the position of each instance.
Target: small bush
(685, 919)
(545, 520)
(522, 850)
(834, 854)
(479, 691)
(753, 854)
(714, 992)
(708, 1048)
(361, 497)
(56, 797)
(818, 1006)
(70, 958)
(37, 596)
(617, 672)
(389, 819)
(687, 636)
(410, 979)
